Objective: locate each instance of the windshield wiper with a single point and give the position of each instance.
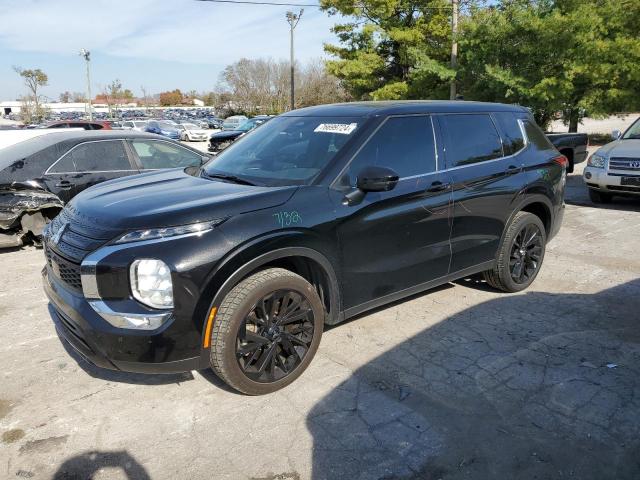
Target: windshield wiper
(229, 178)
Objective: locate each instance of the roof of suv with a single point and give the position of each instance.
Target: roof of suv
(394, 107)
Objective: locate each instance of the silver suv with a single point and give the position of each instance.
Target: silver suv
(614, 169)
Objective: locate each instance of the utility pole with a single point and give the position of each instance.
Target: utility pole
(293, 19)
(454, 45)
(86, 55)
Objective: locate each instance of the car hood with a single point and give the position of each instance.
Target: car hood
(171, 197)
(622, 148)
(224, 134)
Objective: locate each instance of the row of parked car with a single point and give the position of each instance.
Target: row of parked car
(220, 133)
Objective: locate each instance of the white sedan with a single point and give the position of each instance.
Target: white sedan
(192, 133)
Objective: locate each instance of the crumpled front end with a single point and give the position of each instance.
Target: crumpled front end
(23, 209)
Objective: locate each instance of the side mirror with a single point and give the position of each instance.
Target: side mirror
(371, 179)
(377, 179)
(204, 159)
(616, 134)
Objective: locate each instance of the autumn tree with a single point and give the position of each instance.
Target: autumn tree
(174, 97)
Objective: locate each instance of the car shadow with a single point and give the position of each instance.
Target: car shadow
(531, 385)
(87, 465)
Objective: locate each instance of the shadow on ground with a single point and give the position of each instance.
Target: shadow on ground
(88, 465)
(535, 385)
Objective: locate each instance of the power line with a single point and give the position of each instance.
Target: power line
(247, 2)
(286, 4)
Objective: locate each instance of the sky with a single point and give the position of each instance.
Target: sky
(158, 44)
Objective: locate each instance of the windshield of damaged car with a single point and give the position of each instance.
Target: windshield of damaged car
(286, 150)
(633, 132)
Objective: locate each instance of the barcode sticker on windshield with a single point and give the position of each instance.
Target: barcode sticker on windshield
(342, 128)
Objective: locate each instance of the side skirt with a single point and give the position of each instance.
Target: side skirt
(407, 292)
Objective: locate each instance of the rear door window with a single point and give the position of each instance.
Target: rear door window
(154, 154)
(512, 137)
(102, 156)
(470, 138)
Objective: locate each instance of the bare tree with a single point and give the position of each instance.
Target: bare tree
(33, 80)
(262, 85)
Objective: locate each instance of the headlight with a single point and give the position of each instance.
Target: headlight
(151, 283)
(596, 161)
(155, 233)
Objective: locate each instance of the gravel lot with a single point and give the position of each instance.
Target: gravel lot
(460, 382)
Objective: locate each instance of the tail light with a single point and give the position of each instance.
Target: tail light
(561, 160)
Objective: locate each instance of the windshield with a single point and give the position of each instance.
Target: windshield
(633, 131)
(286, 150)
(189, 126)
(166, 126)
(248, 125)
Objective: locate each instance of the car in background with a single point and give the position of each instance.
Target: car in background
(163, 128)
(192, 133)
(221, 140)
(214, 122)
(572, 145)
(233, 122)
(137, 125)
(85, 124)
(40, 175)
(614, 169)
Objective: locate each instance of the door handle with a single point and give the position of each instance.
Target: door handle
(438, 186)
(512, 170)
(64, 185)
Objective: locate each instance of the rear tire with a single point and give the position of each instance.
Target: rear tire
(520, 255)
(266, 331)
(599, 197)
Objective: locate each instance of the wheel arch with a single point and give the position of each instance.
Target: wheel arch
(538, 205)
(305, 261)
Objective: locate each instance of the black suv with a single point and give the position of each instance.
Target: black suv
(317, 216)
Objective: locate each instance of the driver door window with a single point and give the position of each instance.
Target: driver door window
(154, 154)
(404, 144)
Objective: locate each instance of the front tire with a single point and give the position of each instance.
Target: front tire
(520, 255)
(266, 331)
(599, 197)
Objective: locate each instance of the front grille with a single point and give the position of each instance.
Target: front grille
(623, 188)
(63, 269)
(626, 164)
(80, 235)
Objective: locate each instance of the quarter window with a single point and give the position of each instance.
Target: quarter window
(404, 144)
(154, 154)
(108, 155)
(470, 138)
(512, 138)
(535, 135)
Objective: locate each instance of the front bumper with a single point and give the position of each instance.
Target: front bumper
(602, 180)
(108, 347)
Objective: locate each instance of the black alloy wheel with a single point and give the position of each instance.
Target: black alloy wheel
(526, 254)
(520, 254)
(275, 336)
(266, 331)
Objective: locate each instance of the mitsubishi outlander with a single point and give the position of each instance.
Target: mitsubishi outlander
(317, 216)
